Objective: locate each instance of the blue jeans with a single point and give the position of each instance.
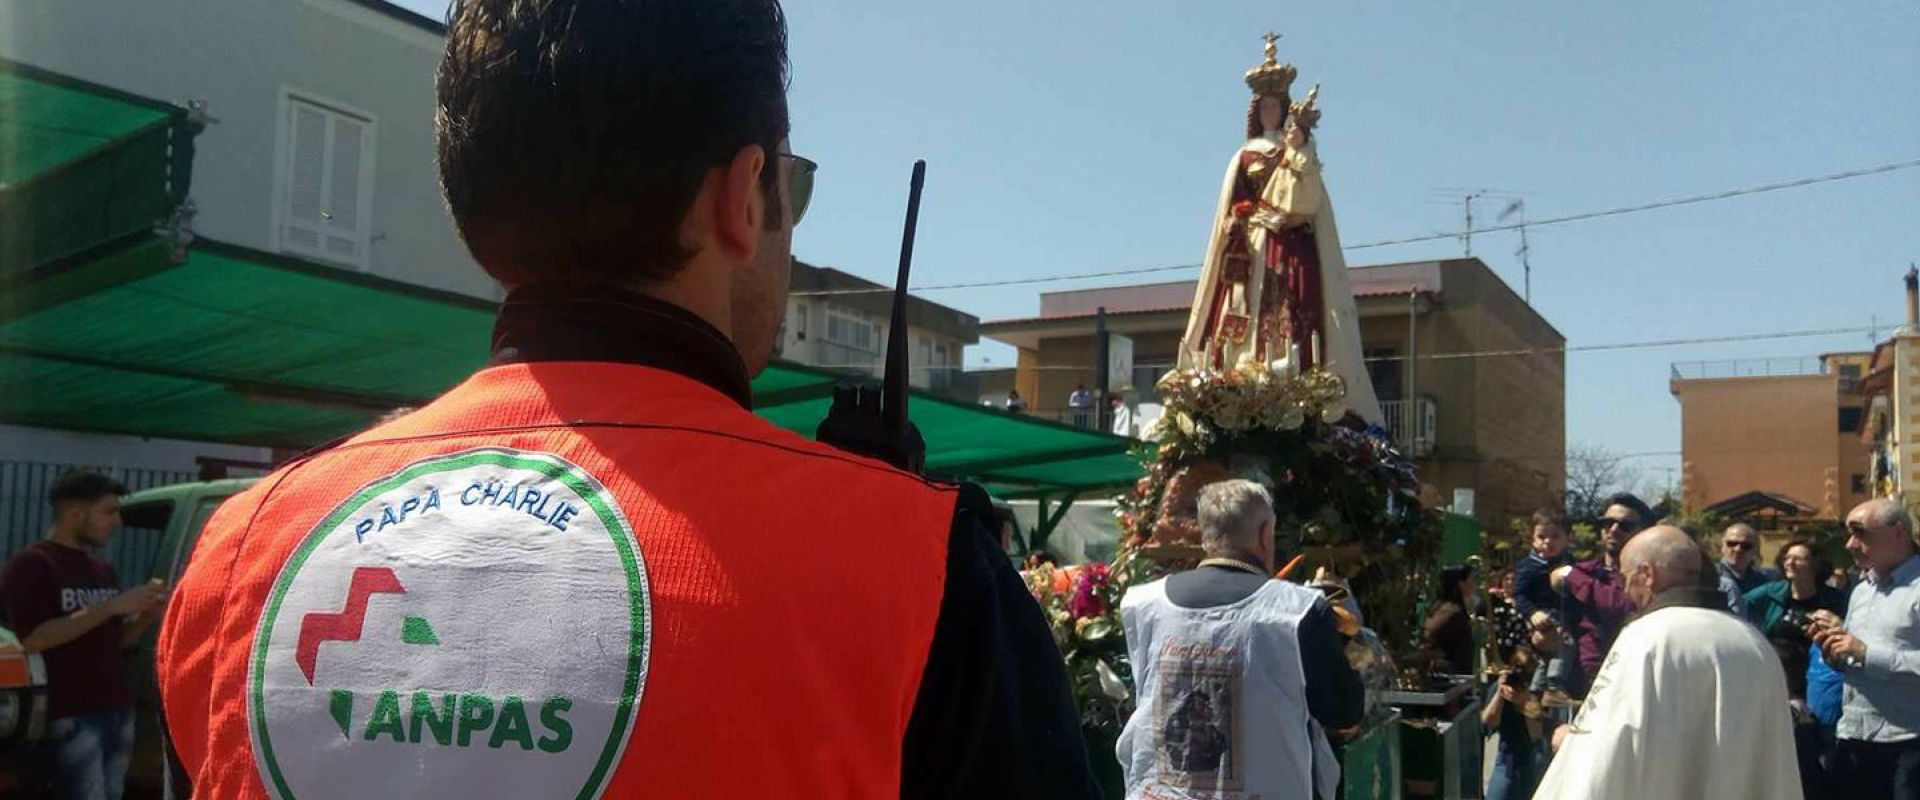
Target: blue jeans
(1514, 774)
(89, 752)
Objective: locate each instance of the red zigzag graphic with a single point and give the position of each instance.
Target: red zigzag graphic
(321, 626)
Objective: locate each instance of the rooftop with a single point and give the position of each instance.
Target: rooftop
(1380, 280)
(1780, 367)
(853, 291)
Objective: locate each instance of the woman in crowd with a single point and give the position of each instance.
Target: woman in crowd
(1782, 610)
(1449, 632)
(1513, 713)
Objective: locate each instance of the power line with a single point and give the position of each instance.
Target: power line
(1745, 337)
(1730, 193)
(1590, 348)
(1009, 282)
(1679, 201)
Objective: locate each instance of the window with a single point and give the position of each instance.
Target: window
(943, 375)
(851, 329)
(1146, 380)
(1849, 377)
(800, 322)
(136, 548)
(325, 189)
(1850, 420)
(1385, 369)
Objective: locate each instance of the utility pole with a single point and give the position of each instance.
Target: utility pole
(1409, 405)
(1101, 414)
(1526, 266)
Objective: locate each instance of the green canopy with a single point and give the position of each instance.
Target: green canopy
(81, 164)
(235, 345)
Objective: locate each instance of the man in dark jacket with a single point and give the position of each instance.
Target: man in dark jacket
(1739, 557)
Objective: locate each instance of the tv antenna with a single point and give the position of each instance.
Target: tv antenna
(1518, 206)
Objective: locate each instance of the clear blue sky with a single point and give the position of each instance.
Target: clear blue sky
(1077, 137)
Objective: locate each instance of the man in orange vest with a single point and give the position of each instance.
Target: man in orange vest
(589, 570)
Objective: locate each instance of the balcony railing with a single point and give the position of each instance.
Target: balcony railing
(1412, 424)
(834, 355)
(1746, 368)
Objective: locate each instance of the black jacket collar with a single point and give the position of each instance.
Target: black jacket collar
(1688, 597)
(548, 322)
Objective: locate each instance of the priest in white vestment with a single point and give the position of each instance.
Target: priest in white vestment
(1690, 704)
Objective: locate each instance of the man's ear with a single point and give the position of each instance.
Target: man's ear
(739, 205)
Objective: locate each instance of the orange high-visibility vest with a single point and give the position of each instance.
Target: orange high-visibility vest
(564, 580)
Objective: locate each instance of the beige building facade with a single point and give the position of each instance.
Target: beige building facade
(1891, 392)
(1788, 429)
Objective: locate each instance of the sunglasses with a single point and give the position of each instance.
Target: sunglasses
(800, 171)
(1609, 523)
(1739, 545)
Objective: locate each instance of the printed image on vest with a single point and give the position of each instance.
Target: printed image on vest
(1196, 728)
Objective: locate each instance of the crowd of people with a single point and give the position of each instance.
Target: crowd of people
(1621, 676)
(1618, 675)
(1630, 669)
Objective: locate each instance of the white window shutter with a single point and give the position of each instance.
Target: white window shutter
(344, 216)
(306, 178)
(328, 189)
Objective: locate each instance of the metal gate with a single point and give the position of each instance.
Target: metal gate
(25, 515)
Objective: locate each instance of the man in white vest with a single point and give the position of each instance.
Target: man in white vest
(1239, 674)
(1687, 690)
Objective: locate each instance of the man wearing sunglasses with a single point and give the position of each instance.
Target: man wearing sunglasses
(1594, 603)
(1739, 550)
(590, 570)
(1877, 652)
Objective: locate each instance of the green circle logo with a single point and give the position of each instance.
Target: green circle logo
(476, 624)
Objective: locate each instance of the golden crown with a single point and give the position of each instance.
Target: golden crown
(1271, 77)
(1304, 113)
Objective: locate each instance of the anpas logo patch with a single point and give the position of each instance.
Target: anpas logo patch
(473, 625)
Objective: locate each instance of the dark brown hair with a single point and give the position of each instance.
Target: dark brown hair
(1548, 516)
(573, 135)
(1822, 566)
(1254, 128)
(82, 487)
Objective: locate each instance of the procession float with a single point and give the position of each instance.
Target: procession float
(1271, 386)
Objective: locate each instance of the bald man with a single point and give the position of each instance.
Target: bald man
(1654, 724)
(1878, 654)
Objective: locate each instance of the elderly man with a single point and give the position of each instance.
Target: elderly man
(1739, 552)
(1878, 655)
(1239, 674)
(1656, 720)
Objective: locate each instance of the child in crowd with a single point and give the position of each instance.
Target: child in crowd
(1533, 591)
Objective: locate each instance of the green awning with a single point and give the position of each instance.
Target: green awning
(235, 345)
(82, 164)
(1012, 455)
